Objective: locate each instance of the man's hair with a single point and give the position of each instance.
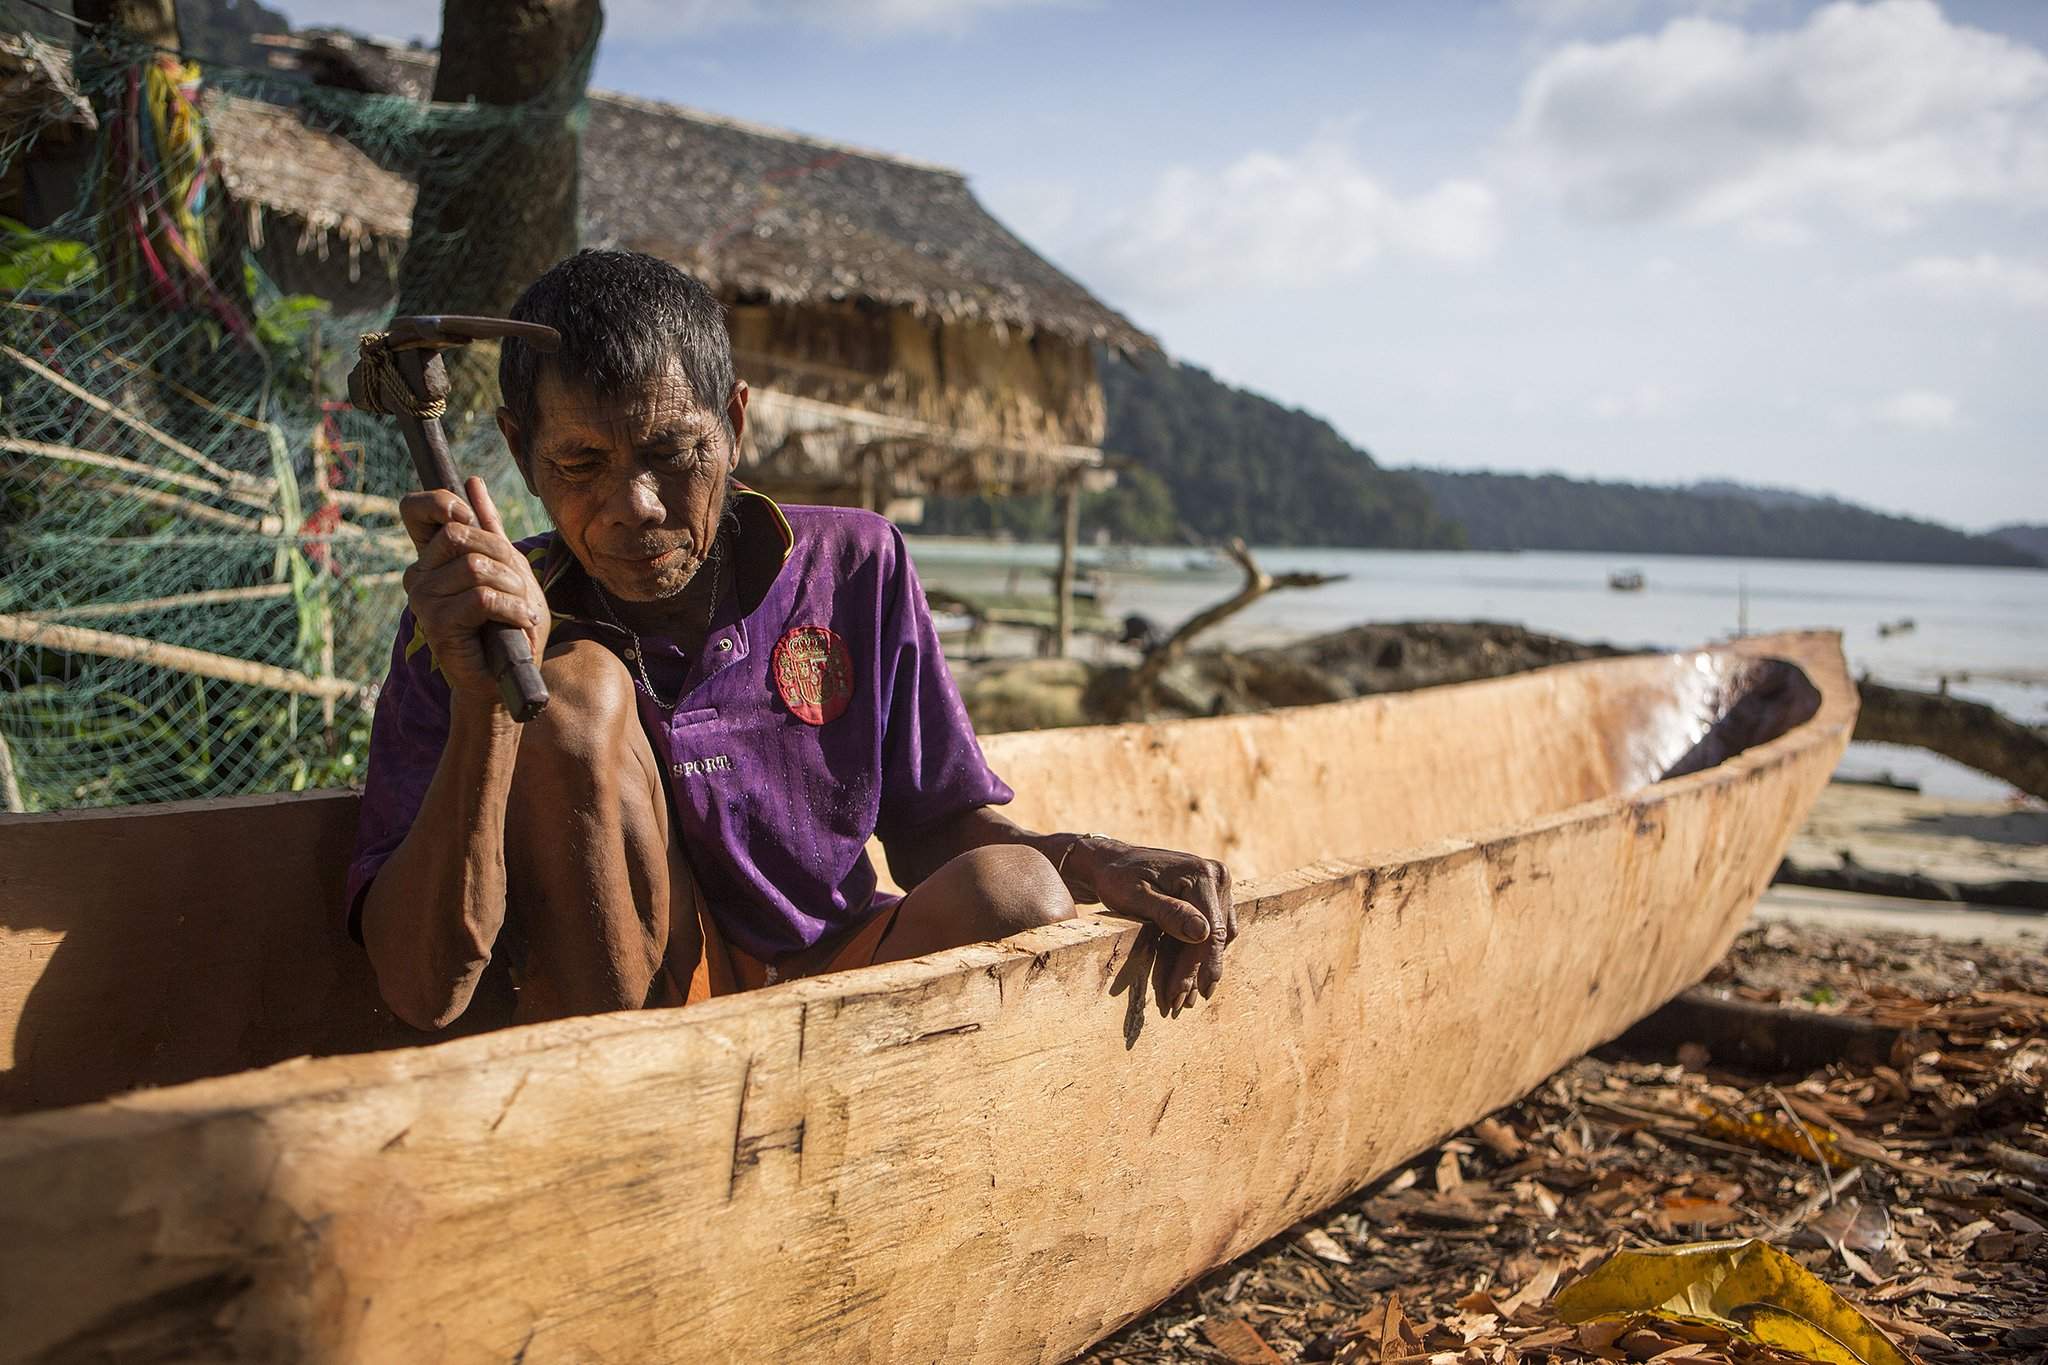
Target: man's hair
(623, 316)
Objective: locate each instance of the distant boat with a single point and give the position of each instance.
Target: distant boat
(1903, 626)
(1205, 561)
(1626, 580)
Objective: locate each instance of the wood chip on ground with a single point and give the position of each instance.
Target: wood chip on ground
(1916, 1187)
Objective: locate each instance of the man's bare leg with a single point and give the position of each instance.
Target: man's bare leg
(985, 893)
(591, 866)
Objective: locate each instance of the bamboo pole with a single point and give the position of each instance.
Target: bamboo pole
(322, 464)
(270, 526)
(210, 597)
(189, 394)
(127, 419)
(177, 658)
(74, 455)
(372, 503)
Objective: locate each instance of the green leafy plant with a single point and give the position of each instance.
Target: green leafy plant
(31, 261)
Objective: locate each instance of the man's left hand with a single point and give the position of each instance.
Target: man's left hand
(1186, 896)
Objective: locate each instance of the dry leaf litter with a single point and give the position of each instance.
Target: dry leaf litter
(1916, 1186)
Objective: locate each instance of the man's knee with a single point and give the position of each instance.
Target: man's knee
(1016, 886)
(591, 709)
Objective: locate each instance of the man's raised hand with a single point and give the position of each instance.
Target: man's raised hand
(467, 575)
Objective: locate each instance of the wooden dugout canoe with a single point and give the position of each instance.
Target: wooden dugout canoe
(997, 1153)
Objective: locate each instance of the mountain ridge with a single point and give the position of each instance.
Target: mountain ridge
(1513, 511)
(2031, 537)
(1206, 460)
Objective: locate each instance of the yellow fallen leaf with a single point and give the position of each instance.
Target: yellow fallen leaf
(1791, 1332)
(1758, 1128)
(1749, 1287)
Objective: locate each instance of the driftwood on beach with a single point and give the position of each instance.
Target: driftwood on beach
(1969, 732)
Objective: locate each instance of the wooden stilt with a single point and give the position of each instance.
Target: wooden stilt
(10, 788)
(322, 462)
(870, 481)
(1070, 539)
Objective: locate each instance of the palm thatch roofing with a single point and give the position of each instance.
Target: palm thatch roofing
(36, 89)
(787, 218)
(271, 160)
(766, 214)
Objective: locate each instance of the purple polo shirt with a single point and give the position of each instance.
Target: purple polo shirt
(774, 809)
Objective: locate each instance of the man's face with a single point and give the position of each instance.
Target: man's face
(635, 485)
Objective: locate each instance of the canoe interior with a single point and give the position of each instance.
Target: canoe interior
(148, 946)
(998, 1153)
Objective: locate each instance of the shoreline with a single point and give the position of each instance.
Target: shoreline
(1942, 850)
(1050, 548)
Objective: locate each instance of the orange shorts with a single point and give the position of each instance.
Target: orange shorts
(720, 968)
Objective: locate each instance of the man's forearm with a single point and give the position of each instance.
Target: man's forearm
(432, 915)
(915, 857)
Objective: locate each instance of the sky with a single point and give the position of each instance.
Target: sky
(1788, 242)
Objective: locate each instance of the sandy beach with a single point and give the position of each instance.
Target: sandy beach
(1967, 844)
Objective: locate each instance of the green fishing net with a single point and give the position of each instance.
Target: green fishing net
(199, 552)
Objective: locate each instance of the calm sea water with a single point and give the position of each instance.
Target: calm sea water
(1986, 630)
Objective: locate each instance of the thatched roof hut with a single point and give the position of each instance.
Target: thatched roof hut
(316, 191)
(319, 192)
(40, 101)
(899, 339)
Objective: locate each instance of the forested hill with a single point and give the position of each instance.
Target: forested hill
(1220, 462)
(2031, 538)
(1551, 512)
(1243, 465)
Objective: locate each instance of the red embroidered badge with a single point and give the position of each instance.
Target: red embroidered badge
(814, 674)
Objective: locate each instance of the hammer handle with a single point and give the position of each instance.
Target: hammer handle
(505, 647)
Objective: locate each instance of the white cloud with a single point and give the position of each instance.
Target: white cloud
(1286, 220)
(1644, 400)
(1917, 410)
(1884, 111)
(1996, 279)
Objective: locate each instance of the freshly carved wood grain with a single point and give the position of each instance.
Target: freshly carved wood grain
(996, 1153)
(158, 944)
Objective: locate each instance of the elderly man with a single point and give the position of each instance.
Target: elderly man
(743, 694)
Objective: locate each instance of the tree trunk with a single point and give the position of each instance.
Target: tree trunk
(497, 201)
(1063, 592)
(144, 21)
